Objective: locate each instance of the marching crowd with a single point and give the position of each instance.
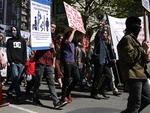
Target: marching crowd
(69, 64)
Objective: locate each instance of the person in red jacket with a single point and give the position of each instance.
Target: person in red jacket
(30, 73)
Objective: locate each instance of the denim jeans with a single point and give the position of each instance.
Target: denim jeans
(47, 71)
(70, 71)
(16, 73)
(81, 72)
(139, 95)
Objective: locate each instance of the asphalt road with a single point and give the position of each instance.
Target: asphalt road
(82, 103)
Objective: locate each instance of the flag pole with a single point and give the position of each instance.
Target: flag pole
(145, 25)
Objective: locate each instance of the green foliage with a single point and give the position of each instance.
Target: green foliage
(89, 9)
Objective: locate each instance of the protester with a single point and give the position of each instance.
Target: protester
(2, 61)
(108, 43)
(30, 73)
(89, 73)
(45, 64)
(70, 67)
(17, 56)
(2, 43)
(132, 59)
(103, 58)
(100, 64)
(58, 66)
(80, 56)
(3, 50)
(28, 47)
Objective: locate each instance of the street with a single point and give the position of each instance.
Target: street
(82, 103)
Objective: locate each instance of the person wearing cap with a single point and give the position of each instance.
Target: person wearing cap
(67, 56)
(132, 59)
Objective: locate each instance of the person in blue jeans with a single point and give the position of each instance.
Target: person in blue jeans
(133, 57)
(17, 56)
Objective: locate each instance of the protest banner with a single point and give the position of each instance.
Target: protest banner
(74, 18)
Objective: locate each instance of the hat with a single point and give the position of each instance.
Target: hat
(67, 29)
(132, 20)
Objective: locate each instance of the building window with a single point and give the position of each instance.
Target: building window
(15, 22)
(0, 21)
(14, 8)
(1, 4)
(11, 22)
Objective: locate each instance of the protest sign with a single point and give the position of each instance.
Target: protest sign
(74, 18)
(40, 24)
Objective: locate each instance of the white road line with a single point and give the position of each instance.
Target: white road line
(23, 109)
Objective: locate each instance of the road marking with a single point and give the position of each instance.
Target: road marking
(23, 109)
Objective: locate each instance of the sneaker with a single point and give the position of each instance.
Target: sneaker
(69, 98)
(95, 96)
(28, 93)
(37, 102)
(104, 95)
(66, 100)
(116, 93)
(60, 104)
(9, 94)
(20, 100)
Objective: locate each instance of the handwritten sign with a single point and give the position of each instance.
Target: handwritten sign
(74, 18)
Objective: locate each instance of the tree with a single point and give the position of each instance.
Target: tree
(90, 9)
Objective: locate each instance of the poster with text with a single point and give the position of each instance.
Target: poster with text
(74, 18)
(40, 24)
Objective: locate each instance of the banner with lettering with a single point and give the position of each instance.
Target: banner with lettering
(40, 24)
(74, 18)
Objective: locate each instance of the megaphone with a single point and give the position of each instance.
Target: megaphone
(100, 16)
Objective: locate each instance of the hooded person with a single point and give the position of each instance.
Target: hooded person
(132, 61)
(133, 25)
(17, 56)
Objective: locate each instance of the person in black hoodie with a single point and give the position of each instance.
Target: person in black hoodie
(17, 56)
